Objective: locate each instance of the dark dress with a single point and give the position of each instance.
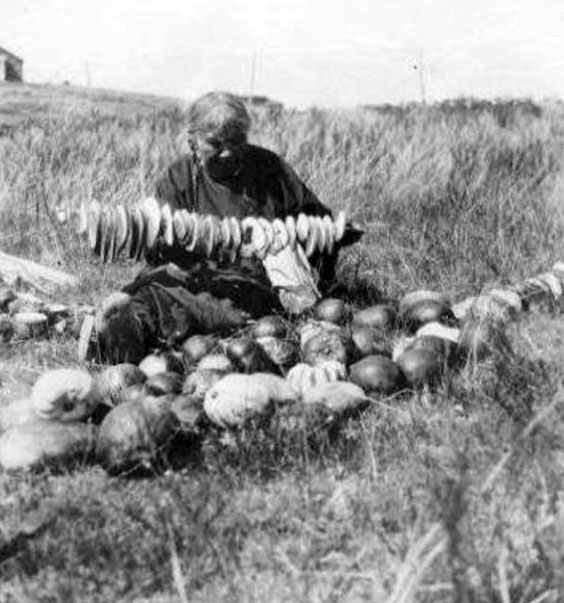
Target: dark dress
(181, 293)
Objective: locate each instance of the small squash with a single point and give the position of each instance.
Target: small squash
(369, 340)
(320, 342)
(331, 309)
(415, 315)
(137, 436)
(421, 366)
(248, 356)
(63, 395)
(198, 346)
(161, 363)
(237, 399)
(377, 373)
(380, 316)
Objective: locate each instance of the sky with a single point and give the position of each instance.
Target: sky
(331, 53)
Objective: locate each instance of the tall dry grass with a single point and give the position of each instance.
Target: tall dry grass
(449, 197)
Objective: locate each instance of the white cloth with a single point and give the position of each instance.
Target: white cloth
(290, 272)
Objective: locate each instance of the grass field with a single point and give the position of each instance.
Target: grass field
(459, 497)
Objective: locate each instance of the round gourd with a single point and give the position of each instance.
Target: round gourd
(248, 356)
(326, 345)
(39, 444)
(421, 366)
(414, 316)
(331, 310)
(109, 386)
(414, 297)
(161, 363)
(379, 316)
(283, 352)
(269, 326)
(236, 399)
(164, 383)
(137, 436)
(376, 373)
(63, 395)
(368, 340)
(198, 346)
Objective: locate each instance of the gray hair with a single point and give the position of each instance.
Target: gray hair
(221, 114)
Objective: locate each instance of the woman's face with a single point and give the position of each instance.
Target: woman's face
(221, 158)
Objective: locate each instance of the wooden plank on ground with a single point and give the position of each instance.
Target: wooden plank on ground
(14, 270)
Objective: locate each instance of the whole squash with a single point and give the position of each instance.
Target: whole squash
(367, 341)
(320, 342)
(414, 297)
(63, 395)
(137, 437)
(237, 399)
(198, 346)
(248, 356)
(380, 316)
(162, 362)
(417, 314)
(331, 309)
(421, 366)
(377, 373)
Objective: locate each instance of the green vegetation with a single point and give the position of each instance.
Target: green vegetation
(456, 495)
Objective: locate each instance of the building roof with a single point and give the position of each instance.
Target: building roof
(10, 54)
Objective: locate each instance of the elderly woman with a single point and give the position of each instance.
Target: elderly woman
(181, 293)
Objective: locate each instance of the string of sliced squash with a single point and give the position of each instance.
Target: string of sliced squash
(131, 230)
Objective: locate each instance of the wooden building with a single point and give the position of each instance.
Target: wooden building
(11, 67)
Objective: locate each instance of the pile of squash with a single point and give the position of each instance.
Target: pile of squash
(333, 363)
